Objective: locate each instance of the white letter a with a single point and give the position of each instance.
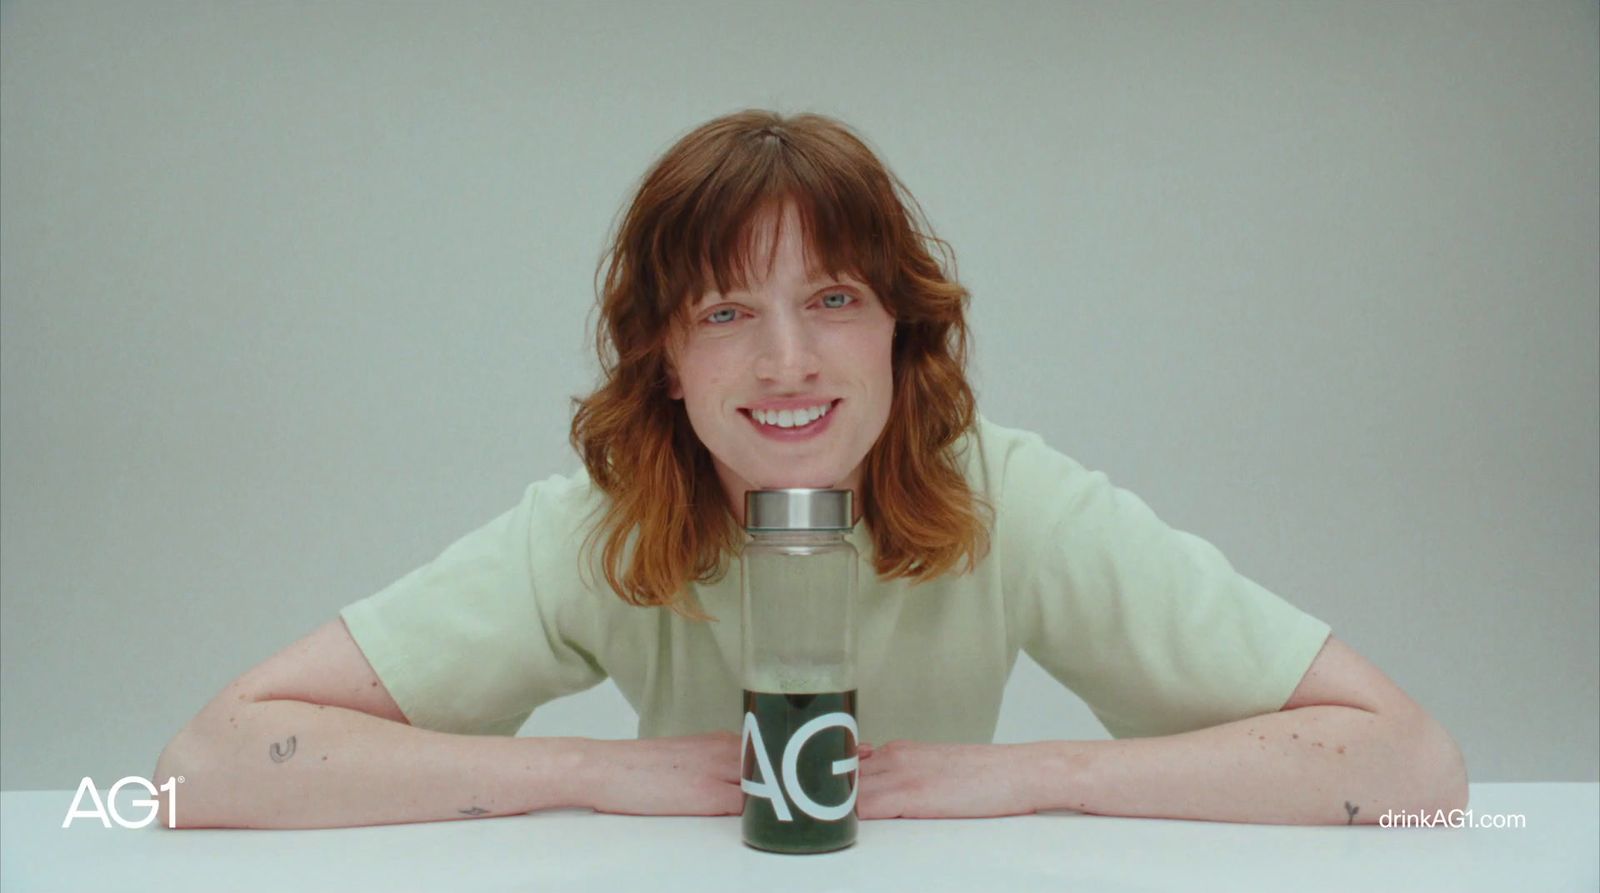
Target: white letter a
(767, 787)
(99, 810)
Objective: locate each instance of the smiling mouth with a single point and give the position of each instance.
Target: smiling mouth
(832, 407)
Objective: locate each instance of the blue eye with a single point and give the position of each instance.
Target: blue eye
(715, 317)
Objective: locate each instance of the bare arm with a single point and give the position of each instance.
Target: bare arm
(1348, 746)
(312, 739)
(291, 764)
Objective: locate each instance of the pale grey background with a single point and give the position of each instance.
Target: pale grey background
(296, 293)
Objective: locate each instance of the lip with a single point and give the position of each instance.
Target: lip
(810, 432)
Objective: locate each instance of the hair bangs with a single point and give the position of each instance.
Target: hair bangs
(735, 228)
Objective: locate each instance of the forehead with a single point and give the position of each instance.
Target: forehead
(776, 250)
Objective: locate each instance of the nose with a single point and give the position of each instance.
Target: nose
(785, 355)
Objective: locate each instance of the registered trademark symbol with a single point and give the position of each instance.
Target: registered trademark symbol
(180, 778)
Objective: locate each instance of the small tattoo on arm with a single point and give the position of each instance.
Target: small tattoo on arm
(476, 810)
(1351, 809)
(280, 753)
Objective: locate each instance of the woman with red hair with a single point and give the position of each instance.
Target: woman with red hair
(773, 315)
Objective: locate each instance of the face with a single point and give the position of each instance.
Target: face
(784, 345)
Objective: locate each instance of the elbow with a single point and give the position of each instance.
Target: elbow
(179, 759)
(1455, 787)
(1438, 762)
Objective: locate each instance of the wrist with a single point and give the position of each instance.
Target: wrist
(561, 771)
(1053, 774)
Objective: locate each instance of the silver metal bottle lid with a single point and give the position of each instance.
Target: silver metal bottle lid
(797, 509)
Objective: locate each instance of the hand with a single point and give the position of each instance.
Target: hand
(687, 775)
(909, 779)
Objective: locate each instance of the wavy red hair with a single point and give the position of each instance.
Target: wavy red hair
(690, 228)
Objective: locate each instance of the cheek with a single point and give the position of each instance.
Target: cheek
(874, 353)
(704, 382)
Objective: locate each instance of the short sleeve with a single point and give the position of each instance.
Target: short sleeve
(1150, 625)
(468, 643)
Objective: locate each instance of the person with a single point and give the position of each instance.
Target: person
(773, 314)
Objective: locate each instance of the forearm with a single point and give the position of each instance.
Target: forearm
(1310, 766)
(291, 764)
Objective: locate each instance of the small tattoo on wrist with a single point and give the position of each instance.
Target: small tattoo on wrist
(476, 810)
(1351, 809)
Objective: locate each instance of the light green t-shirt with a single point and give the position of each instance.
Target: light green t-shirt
(1149, 625)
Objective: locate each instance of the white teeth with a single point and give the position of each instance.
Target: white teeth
(791, 418)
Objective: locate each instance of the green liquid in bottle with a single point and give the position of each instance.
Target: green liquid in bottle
(779, 716)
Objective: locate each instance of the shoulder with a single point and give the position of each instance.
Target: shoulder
(557, 514)
(561, 501)
(1000, 440)
(1017, 470)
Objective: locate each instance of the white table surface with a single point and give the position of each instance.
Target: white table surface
(1558, 849)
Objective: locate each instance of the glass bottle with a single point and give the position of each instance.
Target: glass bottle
(799, 769)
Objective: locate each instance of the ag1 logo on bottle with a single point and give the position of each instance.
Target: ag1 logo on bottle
(768, 787)
(100, 810)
